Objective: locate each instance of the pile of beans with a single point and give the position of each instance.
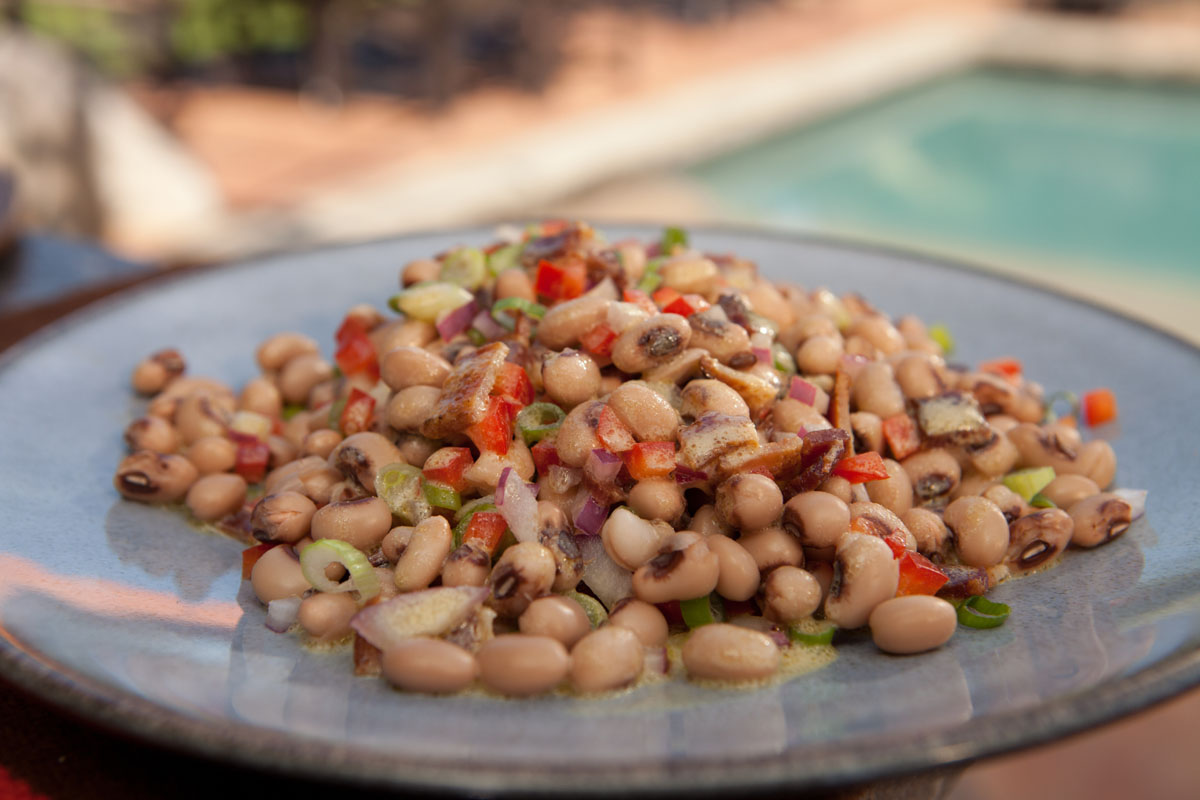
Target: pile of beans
(822, 461)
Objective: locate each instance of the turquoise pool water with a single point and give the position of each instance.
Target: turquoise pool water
(1093, 171)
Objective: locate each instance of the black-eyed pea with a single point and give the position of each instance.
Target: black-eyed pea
(706, 523)
(895, 492)
(723, 652)
(817, 519)
(773, 547)
(403, 333)
(677, 575)
(609, 658)
(410, 407)
(1099, 519)
(431, 666)
(738, 575)
(749, 501)
(282, 348)
(214, 496)
(628, 539)
(261, 396)
(320, 443)
(996, 457)
(703, 395)
(820, 354)
(867, 430)
(928, 530)
(879, 520)
(576, 437)
(689, 273)
(151, 433)
(875, 390)
(468, 565)
(972, 484)
(394, 541)
(1098, 462)
(1009, 502)
(652, 342)
(642, 618)
(301, 374)
(523, 573)
(362, 522)
(521, 665)
(362, 455)
(282, 450)
(865, 574)
(790, 594)
(645, 411)
(413, 366)
(212, 454)
(1037, 537)
(555, 616)
(282, 517)
(880, 332)
(1067, 490)
(156, 371)
(154, 477)
(326, 616)
(200, 414)
(571, 377)
(657, 498)
(791, 415)
(425, 554)
(912, 624)
(714, 332)
(419, 270)
(919, 376)
(289, 474)
(514, 282)
(980, 531)
(565, 323)
(839, 487)
(934, 474)
(822, 572)
(277, 575)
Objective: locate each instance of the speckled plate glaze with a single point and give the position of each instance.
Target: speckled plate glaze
(129, 617)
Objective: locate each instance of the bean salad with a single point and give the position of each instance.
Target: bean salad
(563, 463)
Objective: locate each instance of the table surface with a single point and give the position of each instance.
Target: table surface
(49, 754)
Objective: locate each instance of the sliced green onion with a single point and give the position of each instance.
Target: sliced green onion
(979, 612)
(399, 485)
(320, 554)
(426, 301)
(335, 414)
(672, 238)
(538, 420)
(505, 257)
(760, 324)
(651, 280)
(506, 304)
(465, 267)
(701, 611)
(941, 334)
(812, 638)
(1052, 407)
(591, 606)
(476, 338)
(1040, 500)
(783, 359)
(485, 503)
(1028, 482)
(470, 509)
(440, 496)
(291, 410)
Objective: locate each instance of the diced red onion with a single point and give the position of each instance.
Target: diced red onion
(763, 354)
(607, 579)
(657, 661)
(591, 517)
(803, 391)
(490, 329)
(517, 503)
(1136, 499)
(429, 612)
(602, 467)
(457, 320)
(684, 475)
(282, 613)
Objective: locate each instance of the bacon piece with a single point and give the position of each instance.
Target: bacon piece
(464, 399)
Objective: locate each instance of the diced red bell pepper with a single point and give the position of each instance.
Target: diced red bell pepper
(446, 466)
(494, 432)
(919, 575)
(251, 555)
(861, 468)
(650, 460)
(900, 432)
(356, 416)
(351, 327)
(545, 456)
(599, 340)
(513, 384)
(1098, 406)
(355, 354)
(613, 433)
(485, 529)
(665, 296)
(252, 456)
(560, 281)
(1007, 368)
(895, 540)
(641, 300)
(684, 305)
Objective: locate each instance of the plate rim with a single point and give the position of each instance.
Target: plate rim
(242, 744)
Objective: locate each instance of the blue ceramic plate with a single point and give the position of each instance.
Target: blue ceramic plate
(126, 615)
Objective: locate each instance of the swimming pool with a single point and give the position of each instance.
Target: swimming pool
(1081, 170)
